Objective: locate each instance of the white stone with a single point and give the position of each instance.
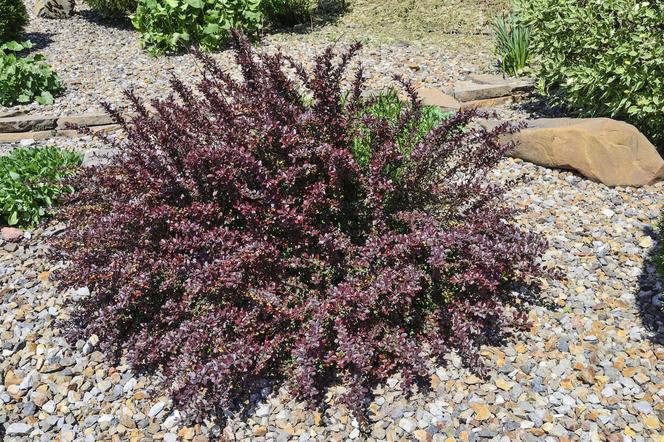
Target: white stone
(18, 429)
(608, 213)
(156, 409)
(263, 410)
(172, 420)
(131, 383)
(407, 425)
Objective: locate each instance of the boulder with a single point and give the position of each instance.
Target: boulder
(54, 8)
(612, 152)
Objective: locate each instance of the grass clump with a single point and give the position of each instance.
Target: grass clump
(512, 45)
(288, 12)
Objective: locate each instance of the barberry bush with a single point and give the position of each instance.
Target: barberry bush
(237, 238)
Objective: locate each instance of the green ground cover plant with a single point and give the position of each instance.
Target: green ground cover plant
(32, 182)
(24, 79)
(172, 25)
(602, 58)
(388, 107)
(13, 18)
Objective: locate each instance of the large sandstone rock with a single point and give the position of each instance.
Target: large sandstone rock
(54, 8)
(605, 150)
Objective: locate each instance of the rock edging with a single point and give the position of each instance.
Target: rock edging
(39, 127)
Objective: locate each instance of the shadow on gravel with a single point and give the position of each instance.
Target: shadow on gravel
(39, 40)
(651, 289)
(122, 23)
(327, 14)
(539, 106)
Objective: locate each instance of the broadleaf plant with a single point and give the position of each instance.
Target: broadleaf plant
(601, 58)
(24, 79)
(173, 25)
(32, 181)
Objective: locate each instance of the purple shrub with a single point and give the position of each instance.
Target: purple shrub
(236, 239)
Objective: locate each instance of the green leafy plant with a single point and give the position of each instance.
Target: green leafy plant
(512, 44)
(112, 8)
(13, 18)
(387, 107)
(172, 25)
(288, 12)
(25, 79)
(32, 181)
(602, 58)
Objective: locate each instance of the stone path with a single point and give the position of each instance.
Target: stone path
(589, 369)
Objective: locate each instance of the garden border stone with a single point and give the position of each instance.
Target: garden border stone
(85, 120)
(14, 128)
(25, 123)
(15, 137)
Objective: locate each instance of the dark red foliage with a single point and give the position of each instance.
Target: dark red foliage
(236, 239)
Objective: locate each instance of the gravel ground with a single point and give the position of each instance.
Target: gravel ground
(98, 60)
(589, 369)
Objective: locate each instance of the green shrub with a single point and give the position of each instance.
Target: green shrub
(512, 45)
(172, 25)
(112, 8)
(603, 58)
(13, 18)
(288, 12)
(25, 79)
(31, 181)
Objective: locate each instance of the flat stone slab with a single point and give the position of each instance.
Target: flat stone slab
(488, 102)
(84, 120)
(490, 79)
(436, 97)
(473, 92)
(15, 137)
(25, 123)
(36, 123)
